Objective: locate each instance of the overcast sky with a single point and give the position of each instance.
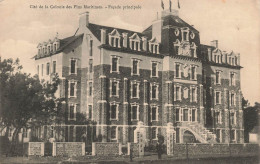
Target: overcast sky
(235, 23)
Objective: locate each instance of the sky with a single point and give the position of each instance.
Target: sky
(234, 23)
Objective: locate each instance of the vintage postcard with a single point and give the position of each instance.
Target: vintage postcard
(106, 81)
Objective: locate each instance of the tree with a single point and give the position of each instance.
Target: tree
(250, 117)
(24, 100)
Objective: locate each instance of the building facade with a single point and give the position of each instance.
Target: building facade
(118, 77)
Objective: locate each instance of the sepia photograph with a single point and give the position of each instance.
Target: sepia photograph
(130, 81)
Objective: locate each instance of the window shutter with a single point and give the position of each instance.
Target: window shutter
(117, 89)
(157, 91)
(137, 112)
(174, 92)
(181, 111)
(181, 93)
(190, 91)
(117, 111)
(151, 88)
(220, 97)
(157, 114)
(220, 117)
(215, 97)
(75, 89)
(138, 90)
(196, 91)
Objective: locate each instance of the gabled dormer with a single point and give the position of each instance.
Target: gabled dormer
(135, 42)
(154, 46)
(114, 38)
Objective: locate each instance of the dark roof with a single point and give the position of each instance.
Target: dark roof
(96, 30)
(172, 20)
(66, 41)
(63, 44)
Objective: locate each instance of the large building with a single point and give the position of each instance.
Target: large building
(118, 77)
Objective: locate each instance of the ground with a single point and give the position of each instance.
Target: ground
(125, 159)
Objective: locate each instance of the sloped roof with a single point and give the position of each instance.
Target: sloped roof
(63, 44)
(96, 30)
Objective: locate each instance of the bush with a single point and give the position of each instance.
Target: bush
(124, 150)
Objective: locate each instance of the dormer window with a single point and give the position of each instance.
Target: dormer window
(185, 34)
(177, 47)
(193, 50)
(192, 35)
(114, 39)
(135, 42)
(154, 46)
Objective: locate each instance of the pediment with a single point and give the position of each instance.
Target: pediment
(135, 37)
(115, 33)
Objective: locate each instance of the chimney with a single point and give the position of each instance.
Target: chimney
(103, 36)
(83, 20)
(125, 39)
(214, 43)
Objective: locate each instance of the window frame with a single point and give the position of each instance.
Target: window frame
(137, 89)
(137, 66)
(156, 113)
(75, 89)
(116, 112)
(54, 66)
(117, 81)
(157, 69)
(117, 64)
(137, 111)
(116, 131)
(70, 67)
(74, 112)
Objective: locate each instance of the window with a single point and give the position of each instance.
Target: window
(54, 47)
(90, 88)
(154, 133)
(192, 50)
(91, 48)
(193, 94)
(25, 132)
(193, 115)
(154, 69)
(54, 67)
(177, 71)
(185, 114)
(113, 112)
(232, 99)
(154, 91)
(218, 135)
(177, 93)
(135, 67)
(72, 89)
(217, 77)
(177, 116)
(90, 65)
(232, 118)
(135, 89)
(114, 87)
(217, 98)
(185, 34)
(73, 66)
(232, 79)
(115, 66)
(134, 112)
(48, 69)
(193, 73)
(233, 135)
(42, 68)
(90, 112)
(218, 117)
(38, 70)
(113, 132)
(154, 113)
(72, 111)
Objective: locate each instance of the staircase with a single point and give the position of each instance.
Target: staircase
(200, 132)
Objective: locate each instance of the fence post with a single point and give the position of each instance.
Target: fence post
(83, 149)
(42, 149)
(54, 149)
(93, 148)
